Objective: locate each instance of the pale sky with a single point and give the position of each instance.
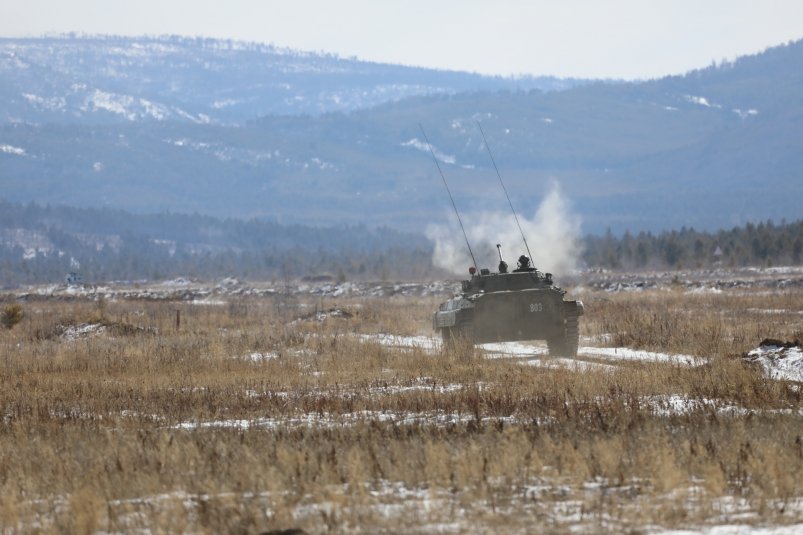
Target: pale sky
(583, 38)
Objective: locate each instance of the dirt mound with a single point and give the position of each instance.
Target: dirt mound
(321, 315)
(779, 360)
(772, 342)
(71, 331)
(118, 328)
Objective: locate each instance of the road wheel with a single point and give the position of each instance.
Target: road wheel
(564, 343)
(572, 329)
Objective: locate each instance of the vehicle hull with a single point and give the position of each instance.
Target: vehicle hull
(535, 313)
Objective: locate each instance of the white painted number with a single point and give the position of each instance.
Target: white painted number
(536, 307)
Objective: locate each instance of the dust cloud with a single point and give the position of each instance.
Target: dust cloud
(553, 235)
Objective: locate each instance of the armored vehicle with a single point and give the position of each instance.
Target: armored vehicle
(501, 307)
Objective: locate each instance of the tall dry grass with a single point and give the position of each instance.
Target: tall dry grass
(708, 325)
(133, 427)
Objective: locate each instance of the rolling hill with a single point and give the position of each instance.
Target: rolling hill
(714, 148)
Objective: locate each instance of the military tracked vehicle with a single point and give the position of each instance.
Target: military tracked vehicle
(500, 307)
(507, 307)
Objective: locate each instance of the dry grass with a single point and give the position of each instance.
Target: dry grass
(127, 428)
(709, 324)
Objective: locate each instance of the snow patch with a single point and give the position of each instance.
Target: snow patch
(704, 290)
(84, 330)
(627, 354)
(45, 103)
(129, 107)
(11, 149)
(208, 302)
(773, 311)
(260, 357)
(225, 103)
(409, 342)
(571, 364)
(701, 101)
(745, 113)
(422, 146)
(320, 164)
(118, 104)
(679, 405)
(512, 349)
(200, 119)
(179, 281)
(327, 420)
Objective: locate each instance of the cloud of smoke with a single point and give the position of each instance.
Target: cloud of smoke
(553, 235)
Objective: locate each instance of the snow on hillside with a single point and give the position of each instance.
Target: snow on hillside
(702, 101)
(136, 108)
(226, 153)
(129, 107)
(11, 149)
(31, 242)
(70, 78)
(751, 112)
(45, 103)
(423, 146)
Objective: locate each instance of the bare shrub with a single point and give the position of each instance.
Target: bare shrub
(11, 316)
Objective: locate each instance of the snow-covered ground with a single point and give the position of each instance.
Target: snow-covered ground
(627, 354)
(700, 281)
(677, 405)
(406, 342)
(560, 506)
(712, 282)
(663, 406)
(186, 289)
(329, 421)
(538, 354)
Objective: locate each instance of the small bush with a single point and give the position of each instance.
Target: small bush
(11, 315)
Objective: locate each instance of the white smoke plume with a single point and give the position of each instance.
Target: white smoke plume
(553, 235)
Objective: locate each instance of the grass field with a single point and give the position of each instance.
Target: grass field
(251, 414)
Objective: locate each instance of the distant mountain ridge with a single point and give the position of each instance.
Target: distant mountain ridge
(714, 148)
(108, 79)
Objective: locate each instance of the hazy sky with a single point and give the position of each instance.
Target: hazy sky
(585, 38)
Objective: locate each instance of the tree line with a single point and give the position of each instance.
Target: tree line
(43, 244)
(764, 244)
(40, 244)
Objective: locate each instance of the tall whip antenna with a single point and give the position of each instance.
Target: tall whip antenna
(429, 146)
(505, 190)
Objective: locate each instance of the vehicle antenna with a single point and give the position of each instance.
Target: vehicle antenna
(505, 190)
(429, 146)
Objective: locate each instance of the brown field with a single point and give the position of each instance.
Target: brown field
(255, 415)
